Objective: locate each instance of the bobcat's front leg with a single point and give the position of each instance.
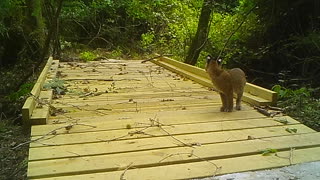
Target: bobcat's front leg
(229, 101)
(224, 101)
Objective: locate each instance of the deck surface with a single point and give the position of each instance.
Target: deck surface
(127, 120)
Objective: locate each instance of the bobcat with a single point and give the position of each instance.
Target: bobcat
(227, 82)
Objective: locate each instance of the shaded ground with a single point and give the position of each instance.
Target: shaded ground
(13, 162)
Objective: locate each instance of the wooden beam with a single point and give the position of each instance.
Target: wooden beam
(30, 103)
(254, 94)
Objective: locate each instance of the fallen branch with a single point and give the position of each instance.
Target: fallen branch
(275, 108)
(52, 132)
(265, 110)
(262, 111)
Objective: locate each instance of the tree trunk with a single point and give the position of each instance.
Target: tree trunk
(52, 32)
(200, 38)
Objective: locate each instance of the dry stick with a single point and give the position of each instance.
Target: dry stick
(275, 108)
(225, 45)
(190, 155)
(175, 137)
(81, 108)
(131, 133)
(52, 132)
(124, 172)
(51, 106)
(262, 111)
(156, 57)
(290, 157)
(175, 154)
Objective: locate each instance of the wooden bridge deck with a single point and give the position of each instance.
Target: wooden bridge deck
(127, 120)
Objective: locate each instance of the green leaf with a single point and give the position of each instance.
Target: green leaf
(282, 120)
(268, 151)
(292, 130)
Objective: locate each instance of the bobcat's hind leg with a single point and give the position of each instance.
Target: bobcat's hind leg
(238, 102)
(224, 101)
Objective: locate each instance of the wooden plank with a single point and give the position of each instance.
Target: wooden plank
(41, 114)
(53, 70)
(201, 93)
(27, 109)
(198, 169)
(170, 117)
(120, 121)
(81, 165)
(161, 101)
(254, 100)
(127, 112)
(135, 109)
(145, 144)
(30, 103)
(96, 136)
(100, 85)
(255, 90)
(199, 75)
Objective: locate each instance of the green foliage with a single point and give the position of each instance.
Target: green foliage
(57, 85)
(87, 56)
(268, 151)
(23, 91)
(291, 130)
(284, 93)
(282, 120)
(65, 45)
(300, 104)
(147, 39)
(116, 53)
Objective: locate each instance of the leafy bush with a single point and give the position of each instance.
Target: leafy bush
(116, 53)
(57, 85)
(286, 93)
(23, 91)
(300, 104)
(87, 56)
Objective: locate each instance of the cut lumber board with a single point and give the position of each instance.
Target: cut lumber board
(144, 144)
(104, 132)
(199, 75)
(30, 103)
(215, 153)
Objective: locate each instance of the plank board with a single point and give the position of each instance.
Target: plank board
(161, 126)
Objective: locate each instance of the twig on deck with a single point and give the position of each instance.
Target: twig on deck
(189, 145)
(124, 172)
(52, 132)
(290, 157)
(190, 155)
(131, 133)
(262, 111)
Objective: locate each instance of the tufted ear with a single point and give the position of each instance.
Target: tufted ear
(219, 61)
(209, 58)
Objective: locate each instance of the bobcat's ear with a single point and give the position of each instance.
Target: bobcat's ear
(209, 58)
(219, 61)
